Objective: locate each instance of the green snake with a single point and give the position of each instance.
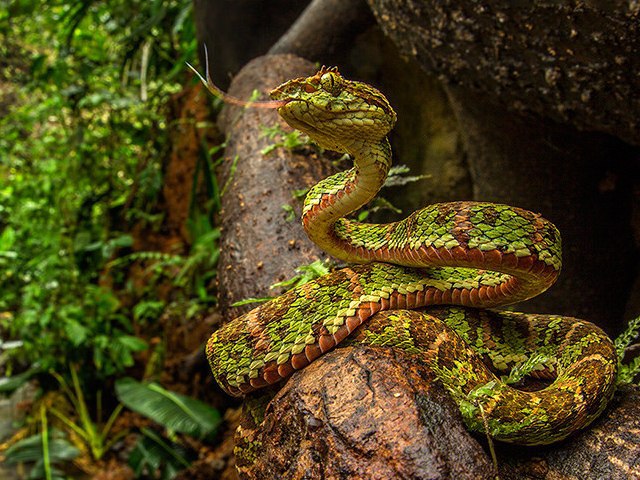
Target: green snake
(467, 255)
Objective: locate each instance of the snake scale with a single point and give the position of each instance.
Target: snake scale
(465, 256)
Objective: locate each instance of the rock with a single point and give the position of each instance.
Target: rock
(362, 412)
(574, 62)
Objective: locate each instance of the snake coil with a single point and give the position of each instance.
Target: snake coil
(468, 255)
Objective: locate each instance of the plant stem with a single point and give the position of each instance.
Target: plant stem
(45, 443)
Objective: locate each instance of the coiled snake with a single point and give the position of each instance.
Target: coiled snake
(470, 254)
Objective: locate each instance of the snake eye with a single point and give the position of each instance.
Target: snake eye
(330, 83)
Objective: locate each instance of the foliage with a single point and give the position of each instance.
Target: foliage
(293, 140)
(523, 369)
(46, 450)
(98, 438)
(290, 211)
(304, 274)
(31, 450)
(627, 372)
(174, 411)
(10, 384)
(154, 457)
(83, 132)
(398, 176)
(81, 146)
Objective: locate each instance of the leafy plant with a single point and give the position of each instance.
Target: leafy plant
(293, 140)
(175, 412)
(155, 457)
(523, 369)
(398, 177)
(158, 456)
(627, 372)
(304, 274)
(82, 136)
(82, 143)
(10, 384)
(59, 451)
(98, 438)
(291, 213)
(46, 450)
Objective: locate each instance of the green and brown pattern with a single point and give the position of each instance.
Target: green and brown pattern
(462, 253)
(460, 344)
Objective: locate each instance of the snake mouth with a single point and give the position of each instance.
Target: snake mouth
(295, 120)
(286, 102)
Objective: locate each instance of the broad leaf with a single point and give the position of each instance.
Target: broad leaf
(174, 411)
(30, 449)
(10, 384)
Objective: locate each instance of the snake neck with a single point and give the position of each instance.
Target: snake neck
(328, 202)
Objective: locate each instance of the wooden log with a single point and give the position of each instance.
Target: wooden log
(261, 242)
(326, 30)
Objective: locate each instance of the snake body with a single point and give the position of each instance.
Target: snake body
(471, 254)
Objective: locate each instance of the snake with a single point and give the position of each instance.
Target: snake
(428, 284)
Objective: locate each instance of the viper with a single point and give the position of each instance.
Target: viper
(428, 284)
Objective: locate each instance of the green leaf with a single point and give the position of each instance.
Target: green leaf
(148, 309)
(174, 411)
(10, 384)
(300, 194)
(291, 213)
(523, 369)
(627, 373)
(306, 273)
(132, 343)
(627, 336)
(398, 178)
(151, 453)
(250, 300)
(7, 239)
(76, 332)
(30, 449)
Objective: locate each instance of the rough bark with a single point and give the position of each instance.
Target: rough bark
(362, 412)
(365, 413)
(325, 29)
(575, 62)
(259, 244)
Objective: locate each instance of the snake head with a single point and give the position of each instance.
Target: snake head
(333, 111)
